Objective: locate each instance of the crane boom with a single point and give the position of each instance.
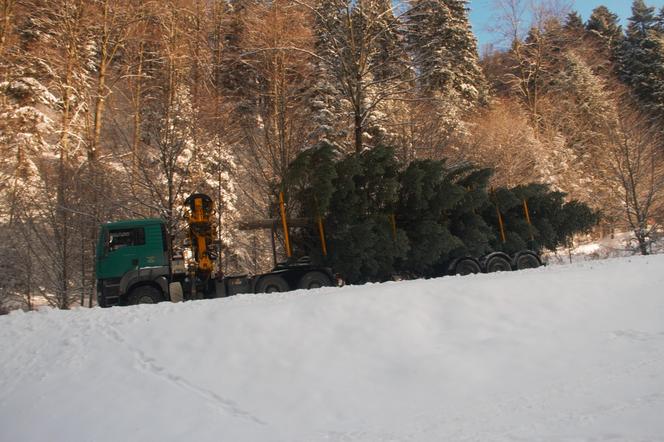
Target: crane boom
(199, 216)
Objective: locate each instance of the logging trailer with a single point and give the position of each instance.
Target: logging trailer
(135, 262)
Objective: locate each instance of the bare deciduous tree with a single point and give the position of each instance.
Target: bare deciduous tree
(636, 162)
(501, 138)
(276, 43)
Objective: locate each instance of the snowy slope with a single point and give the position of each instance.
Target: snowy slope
(558, 354)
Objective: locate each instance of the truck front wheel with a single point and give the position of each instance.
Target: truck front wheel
(272, 283)
(145, 294)
(314, 280)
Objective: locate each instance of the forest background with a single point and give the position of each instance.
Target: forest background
(121, 108)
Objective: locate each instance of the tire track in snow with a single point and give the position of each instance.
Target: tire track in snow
(149, 365)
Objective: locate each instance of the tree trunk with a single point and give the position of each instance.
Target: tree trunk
(137, 102)
(7, 7)
(643, 242)
(358, 131)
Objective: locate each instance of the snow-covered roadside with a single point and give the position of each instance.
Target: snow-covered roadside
(622, 244)
(561, 353)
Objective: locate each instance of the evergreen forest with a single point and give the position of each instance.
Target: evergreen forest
(383, 120)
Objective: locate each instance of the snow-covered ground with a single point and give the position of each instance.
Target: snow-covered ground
(565, 353)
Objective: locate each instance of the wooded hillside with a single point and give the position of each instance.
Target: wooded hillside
(112, 109)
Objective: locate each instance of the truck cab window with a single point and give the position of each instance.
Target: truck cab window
(125, 237)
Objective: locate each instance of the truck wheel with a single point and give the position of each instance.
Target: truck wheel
(271, 284)
(527, 261)
(466, 267)
(498, 264)
(314, 280)
(145, 294)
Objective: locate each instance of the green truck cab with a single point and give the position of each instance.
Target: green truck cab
(135, 265)
(129, 253)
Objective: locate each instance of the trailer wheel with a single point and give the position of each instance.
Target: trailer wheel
(314, 280)
(527, 261)
(271, 284)
(498, 264)
(145, 294)
(466, 267)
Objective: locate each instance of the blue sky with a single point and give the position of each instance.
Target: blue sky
(482, 14)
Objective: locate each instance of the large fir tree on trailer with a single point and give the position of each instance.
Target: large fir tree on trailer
(535, 217)
(424, 220)
(427, 193)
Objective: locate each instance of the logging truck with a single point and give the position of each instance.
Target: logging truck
(136, 263)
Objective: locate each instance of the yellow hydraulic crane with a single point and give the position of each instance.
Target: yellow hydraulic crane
(199, 216)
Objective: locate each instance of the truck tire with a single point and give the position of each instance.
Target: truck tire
(145, 294)
(314, 280)
(466, 266)
(527, 261)
(271, 284)
(498, 264)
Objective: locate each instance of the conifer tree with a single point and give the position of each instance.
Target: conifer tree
(426, 195)
(574, 24)
(234, 76)
(363, 245)
(392, 74)
(326, 101)
(603, 37)
(355, 196)
(355, 39)
(604, 24)
(510, 239)
(390, 56)
(641, 58)
(466, 221)
(553, 221)
(444, 50)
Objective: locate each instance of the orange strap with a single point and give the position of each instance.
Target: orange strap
(321, 232)
(282, 209)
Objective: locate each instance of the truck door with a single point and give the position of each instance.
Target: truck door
(122, 251)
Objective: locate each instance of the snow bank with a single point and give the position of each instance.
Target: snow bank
(562, 353)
